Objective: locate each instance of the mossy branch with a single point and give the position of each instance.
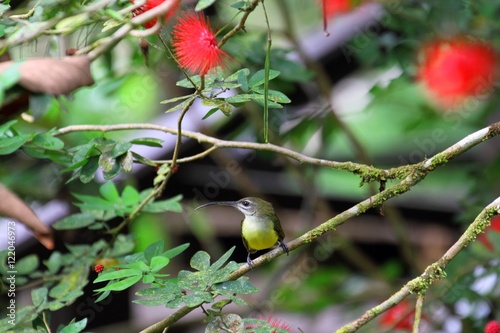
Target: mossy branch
(366, 172)
(432, 273)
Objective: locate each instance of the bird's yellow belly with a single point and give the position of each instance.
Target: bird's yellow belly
(259, 236)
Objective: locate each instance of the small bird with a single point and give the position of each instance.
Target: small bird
(260, 228)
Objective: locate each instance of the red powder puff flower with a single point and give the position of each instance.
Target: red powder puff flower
(494, 226)
(152, 4)
(454, 70)
(400, 317)
(195, 44)
(98, 268)
(492, 327)
(334, 7)
(276, 323)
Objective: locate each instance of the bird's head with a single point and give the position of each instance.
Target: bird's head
(249, 206)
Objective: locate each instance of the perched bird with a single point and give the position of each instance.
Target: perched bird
(260, 228)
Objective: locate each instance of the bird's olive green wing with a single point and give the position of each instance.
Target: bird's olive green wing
(279, 229)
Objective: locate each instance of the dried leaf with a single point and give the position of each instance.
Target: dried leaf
(53, 76)
(13, 207)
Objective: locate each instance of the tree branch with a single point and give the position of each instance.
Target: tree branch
(433, 272)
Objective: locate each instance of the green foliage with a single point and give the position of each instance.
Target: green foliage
(9, 77)
(96, 210)
(194, 288)
(251, 89)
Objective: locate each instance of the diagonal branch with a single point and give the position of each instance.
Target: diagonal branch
(432, 273)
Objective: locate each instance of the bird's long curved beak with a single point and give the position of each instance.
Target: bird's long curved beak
(219, 203)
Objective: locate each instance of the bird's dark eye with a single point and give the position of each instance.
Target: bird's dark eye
(245, 203)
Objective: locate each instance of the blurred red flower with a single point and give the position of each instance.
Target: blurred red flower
(334, 7)
(492, 327)
(152, 4)
(400, 316)
(454, 70)
(277, 323)
(494, 226)
(195, 44)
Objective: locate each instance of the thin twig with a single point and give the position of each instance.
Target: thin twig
(418, 312)
(241, 25)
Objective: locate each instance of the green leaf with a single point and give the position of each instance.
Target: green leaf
(185, 83)
(278, 97)
(240, 98)
(10, 145)
(236, 76)
(198, 298)
(54, 262)
(120, 148)
(93, 203)
(140, 265)
(209, 113)
(200, 261)
(259, 78)
(169, 205)
(175, 251)
(6, 126)
(148, 278)
(130, 196)
(243, 79)
(127, 161)
(181, 105)
(143, 160)
(3, 8)
(154, 250)
(103, 296)
(118, 274)
(40, 104)
(122, 284)
(179, 98)
(240, 286)
(202, 4)
(70, 286)
(39, 296)
(10, 76)
(27, 264)
(75, 327)
(74, 221)
(151, 142)
(82, 152)
(169, 293)
(222, 260)
(113, 171)
(109, 192)
(107, 162)
(158, 262)
(222, 105)
(88, 171)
